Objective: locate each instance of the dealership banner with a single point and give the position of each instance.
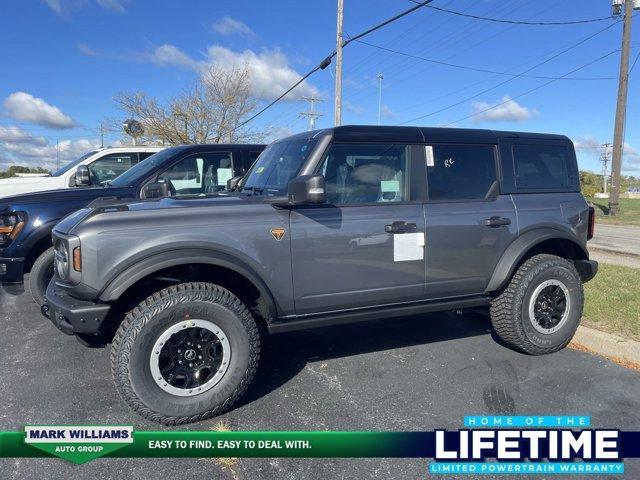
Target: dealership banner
(486, 445)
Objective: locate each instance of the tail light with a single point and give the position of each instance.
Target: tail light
(592, 223)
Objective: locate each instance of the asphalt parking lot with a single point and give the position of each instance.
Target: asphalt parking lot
(416, 373)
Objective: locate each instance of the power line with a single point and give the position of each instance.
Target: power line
(562, 52)
(476, 69)
(516, 22)
(327, 60)
(534, 89)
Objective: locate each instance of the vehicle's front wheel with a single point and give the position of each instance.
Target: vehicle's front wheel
(539, 310)
(185, 354)
(40, 276)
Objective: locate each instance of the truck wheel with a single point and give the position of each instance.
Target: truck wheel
(540, 309)
(185, 354)
(40, 276)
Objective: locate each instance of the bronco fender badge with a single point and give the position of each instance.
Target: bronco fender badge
(277, 233)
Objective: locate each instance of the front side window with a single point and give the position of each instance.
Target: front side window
(199, 174)
(366, 173)
(540, 166)
(109, 167)
(460, 172)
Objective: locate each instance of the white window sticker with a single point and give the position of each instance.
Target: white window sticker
(408, 247)
(428, 151)
(224, 174)
(390, 186)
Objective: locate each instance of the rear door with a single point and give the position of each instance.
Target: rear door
(468, 223)
(364, 246)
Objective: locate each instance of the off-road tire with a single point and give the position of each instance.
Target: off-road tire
(142, 326)
(510, 309)
(38, 277)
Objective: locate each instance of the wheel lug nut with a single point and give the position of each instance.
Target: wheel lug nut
(190, 365)
(200, 357)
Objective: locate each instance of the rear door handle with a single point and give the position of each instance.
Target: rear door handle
(497, 222)
(401, 227)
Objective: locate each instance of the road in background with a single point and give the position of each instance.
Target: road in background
(617, 238)
(415, 373)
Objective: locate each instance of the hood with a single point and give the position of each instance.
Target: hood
(17, 185)
(184, 202)
(65, 195)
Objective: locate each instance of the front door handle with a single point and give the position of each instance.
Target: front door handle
(401, 227)
(497, 222)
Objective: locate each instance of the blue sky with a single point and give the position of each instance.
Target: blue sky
(64, 60)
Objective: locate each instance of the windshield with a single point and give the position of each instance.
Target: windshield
(70, 165)
(141, 170)
(277, 164)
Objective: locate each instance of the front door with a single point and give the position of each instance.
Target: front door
(468, 223)
(364, 247)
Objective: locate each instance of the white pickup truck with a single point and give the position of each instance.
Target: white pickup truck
(104, 165)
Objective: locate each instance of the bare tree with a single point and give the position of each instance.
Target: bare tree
(210, 111)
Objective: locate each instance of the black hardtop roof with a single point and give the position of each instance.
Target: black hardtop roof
(207, 147)
(372, 133)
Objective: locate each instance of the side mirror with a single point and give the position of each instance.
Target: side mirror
(155, 190)
(307, 189)
(83, 179)
(233, 182)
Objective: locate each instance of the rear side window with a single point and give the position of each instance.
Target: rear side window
(460, 172)
(541, 166)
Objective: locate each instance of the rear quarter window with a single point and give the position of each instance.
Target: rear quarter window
(541, 166)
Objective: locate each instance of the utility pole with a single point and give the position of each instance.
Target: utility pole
(380, 77)
(312, 115)
(101, 135)
(606, 156)
(338, 104)
(621, 111)
(57, 154)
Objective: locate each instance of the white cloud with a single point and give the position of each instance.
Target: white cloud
(229, 26)
(386, 112)
(269, 71)
(87, 50)
(270, 74)
(113, 5)
(13, 134)
(587, 143)
(505, 110)
(43, 155)
(27, 108)
(352, 108)
(170, 55)
(591, 146)
(65, 7)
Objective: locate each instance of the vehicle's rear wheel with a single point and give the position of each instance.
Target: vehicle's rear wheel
(185, 354)
(40, 276)
(539, 310)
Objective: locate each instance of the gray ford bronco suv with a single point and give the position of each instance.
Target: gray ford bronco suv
(340, 225)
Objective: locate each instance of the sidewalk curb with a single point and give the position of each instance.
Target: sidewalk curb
(621, 350)
(612, 250)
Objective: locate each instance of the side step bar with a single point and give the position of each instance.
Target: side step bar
(361, 315)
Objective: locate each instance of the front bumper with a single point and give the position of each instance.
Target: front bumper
(71, 315)
(11, 271)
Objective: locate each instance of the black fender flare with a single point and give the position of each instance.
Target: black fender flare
(520, 246)
(37, 235)
(171, 258)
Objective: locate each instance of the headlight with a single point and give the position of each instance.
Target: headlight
(10, 227)
(61, 259)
